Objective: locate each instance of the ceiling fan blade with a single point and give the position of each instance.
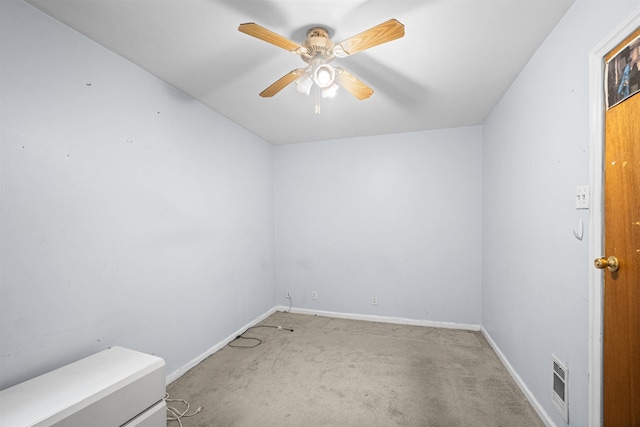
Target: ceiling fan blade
(269, 36)
(281, 83)
(352, 85)
(381, 33)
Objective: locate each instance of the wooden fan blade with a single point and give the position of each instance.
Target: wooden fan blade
(281, 83)
(352, 85)
(382, 33)
(269, 36)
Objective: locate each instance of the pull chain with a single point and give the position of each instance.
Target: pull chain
(317, 100)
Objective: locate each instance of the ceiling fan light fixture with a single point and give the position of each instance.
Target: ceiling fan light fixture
(330, 92)
(324, 76)
(304, 84)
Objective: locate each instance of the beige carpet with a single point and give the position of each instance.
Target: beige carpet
(336, 372)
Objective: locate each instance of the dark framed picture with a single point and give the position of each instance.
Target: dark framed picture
(622, 77)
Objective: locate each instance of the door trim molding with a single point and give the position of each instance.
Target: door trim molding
(596, 217)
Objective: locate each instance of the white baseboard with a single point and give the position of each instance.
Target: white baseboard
(183, 370)
(382, 319)
(534, 402)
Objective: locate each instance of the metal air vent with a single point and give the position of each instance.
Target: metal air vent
(559, 395)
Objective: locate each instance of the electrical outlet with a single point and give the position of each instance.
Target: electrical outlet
(374, 300)
(314, 294)
(288, 295)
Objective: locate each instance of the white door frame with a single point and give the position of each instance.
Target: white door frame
(596, 228)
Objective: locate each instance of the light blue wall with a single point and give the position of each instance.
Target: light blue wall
(392, 216)
(131, 214)
(536, 151)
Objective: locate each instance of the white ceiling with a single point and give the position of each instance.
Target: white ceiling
(452, 67)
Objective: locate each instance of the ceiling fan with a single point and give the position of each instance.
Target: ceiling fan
(318, 51)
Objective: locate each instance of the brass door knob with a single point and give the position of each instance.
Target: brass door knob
(611, 263)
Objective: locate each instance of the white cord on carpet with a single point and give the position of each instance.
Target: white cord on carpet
(174, 415)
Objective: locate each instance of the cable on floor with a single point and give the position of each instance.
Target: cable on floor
(258, 340)
(174, 415)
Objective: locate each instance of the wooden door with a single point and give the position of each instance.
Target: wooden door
(621, 335)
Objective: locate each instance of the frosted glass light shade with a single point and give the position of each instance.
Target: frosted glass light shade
(324, 75)
(330, 92)
(304, 84)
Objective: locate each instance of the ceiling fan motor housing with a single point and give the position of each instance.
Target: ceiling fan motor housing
(317, 46)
